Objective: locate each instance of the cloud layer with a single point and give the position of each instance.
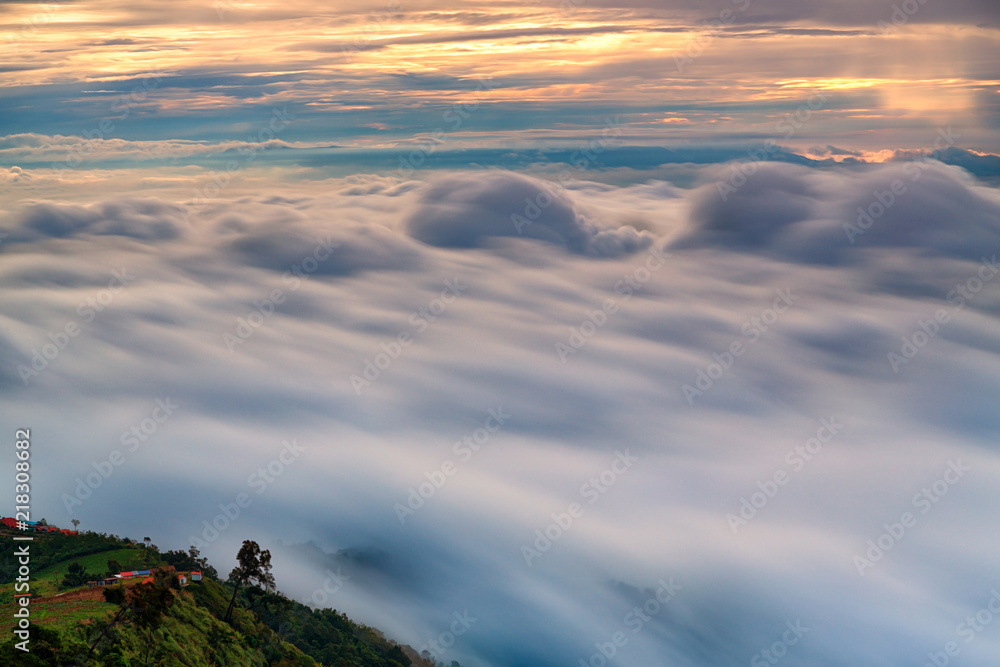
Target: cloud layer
(809, 216)
(457, 388)
(464, 211)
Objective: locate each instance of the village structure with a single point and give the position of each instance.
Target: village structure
(35, 526)
(183, 578)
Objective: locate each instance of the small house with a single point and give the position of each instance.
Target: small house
(196, 576)
(102, 582)
(182, 579)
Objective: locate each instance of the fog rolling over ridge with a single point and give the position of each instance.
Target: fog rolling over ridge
(603, 333)
(730, 421)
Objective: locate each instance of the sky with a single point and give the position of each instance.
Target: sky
(633, 333)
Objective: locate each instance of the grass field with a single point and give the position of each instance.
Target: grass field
(45, 582)
(94, 563)
(56, 612)
(77, 604)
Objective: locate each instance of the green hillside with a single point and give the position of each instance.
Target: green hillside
(265, 628)
(46, 582)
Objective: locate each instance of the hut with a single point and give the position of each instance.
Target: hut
(103, 582)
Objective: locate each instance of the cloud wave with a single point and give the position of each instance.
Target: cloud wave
(587, 353)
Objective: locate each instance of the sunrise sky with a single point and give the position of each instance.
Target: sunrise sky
(367, 77)
(733, 260)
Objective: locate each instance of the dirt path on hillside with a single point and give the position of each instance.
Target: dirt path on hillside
(95, 594)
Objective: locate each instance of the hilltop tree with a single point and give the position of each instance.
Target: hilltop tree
(115, 595)
(202, 563)
(75, 522)
(114, 567)
(150, 600)
(147, 602)
(190, 561)
(254, 566)
(76, 576)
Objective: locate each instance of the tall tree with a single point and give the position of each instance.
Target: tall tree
(114, 567)
(76, 575)
(253, 566)
(147, 601)
(114, 595)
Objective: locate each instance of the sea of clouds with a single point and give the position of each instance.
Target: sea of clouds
(633, 424)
